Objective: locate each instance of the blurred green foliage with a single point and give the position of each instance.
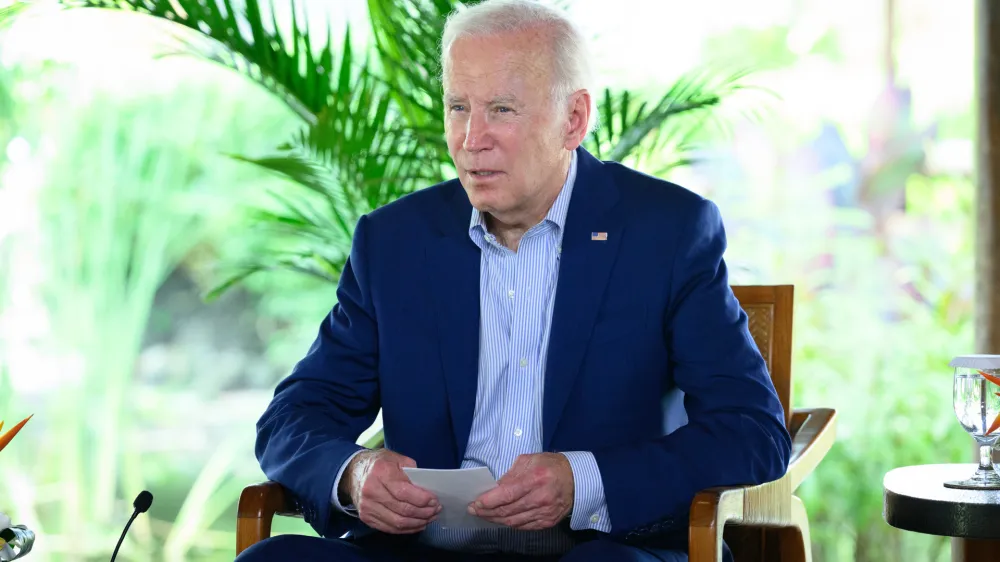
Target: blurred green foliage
(875, 344)
(130, 186)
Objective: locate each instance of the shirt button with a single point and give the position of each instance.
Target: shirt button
(524, 362)
(594, 518)
(517, 432)
(510, 293)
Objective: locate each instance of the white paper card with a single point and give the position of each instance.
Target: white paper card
(455, 490)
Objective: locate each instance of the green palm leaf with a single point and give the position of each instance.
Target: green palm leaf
(664, 130)
(408, 39)
(356, 151)
(247, 39)
(308, 232)
(373, 128)
(8, 111)
(8, 12)
(362, 136)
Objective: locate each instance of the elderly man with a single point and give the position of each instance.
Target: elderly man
(529, 317)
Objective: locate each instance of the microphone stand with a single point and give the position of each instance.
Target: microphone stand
(141, 504)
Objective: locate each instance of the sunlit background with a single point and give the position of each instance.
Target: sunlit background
(845, 169)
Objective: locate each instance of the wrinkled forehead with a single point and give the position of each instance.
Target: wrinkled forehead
(487, 65)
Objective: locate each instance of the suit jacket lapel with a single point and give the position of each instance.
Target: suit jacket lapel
(585, 266)
(453, 280)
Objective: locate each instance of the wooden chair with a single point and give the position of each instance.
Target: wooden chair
(765, 522)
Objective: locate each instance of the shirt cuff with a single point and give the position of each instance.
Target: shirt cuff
(335, 496)
(590, 509)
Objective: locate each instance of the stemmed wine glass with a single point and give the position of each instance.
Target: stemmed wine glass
(976, 399)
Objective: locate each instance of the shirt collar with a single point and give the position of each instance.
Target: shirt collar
(556, 214)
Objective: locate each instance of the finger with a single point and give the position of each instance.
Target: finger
(382, 494)
(504, 494)
(379, 525)
(538, 524)
(374, 522)
(406, 509)
(394, 523)
(379, 492)
(411, 511)
(515, 477)
(526, 503)
(522, 519)
(401, 489)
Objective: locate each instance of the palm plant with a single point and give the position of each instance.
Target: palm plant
(7, 14)
(371, 125)
(8, 11)
(7, 115)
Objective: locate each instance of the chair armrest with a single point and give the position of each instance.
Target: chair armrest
(765, 505)
(259, 503)
(813, 432)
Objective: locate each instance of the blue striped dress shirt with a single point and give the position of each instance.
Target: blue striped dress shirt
(516, 297)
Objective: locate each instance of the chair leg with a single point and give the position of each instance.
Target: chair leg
(795, 544)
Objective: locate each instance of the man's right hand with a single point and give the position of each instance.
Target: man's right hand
(385, 498)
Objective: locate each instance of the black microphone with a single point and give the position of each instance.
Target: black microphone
(141, 504)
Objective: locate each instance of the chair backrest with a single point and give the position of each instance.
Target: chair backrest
(769, 310)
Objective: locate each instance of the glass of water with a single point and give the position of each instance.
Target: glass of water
(976, 401)
(19, 540)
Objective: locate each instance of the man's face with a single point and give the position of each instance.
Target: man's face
(505, 135)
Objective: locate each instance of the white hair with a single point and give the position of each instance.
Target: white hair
(571, 61)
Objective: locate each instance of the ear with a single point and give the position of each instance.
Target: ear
(577, 118)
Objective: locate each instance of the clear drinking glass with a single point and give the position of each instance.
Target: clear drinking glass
(18, 546)
(976, 400)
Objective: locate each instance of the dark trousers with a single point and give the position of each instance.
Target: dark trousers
(300, 547)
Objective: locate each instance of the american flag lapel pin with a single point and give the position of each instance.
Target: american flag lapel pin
(599, 236)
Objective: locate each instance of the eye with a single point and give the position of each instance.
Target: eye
(504, 109)
(457, 107)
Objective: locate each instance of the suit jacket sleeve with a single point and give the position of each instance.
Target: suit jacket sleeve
(735, 434)
(318, 412)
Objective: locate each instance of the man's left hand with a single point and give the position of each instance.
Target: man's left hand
(535, 494)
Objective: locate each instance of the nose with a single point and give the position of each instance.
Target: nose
(477, 133)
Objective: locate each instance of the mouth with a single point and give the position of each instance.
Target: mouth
(483, 173)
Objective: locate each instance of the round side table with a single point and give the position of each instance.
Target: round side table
(915, 499)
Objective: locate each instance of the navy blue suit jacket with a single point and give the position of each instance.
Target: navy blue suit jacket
(642, 314)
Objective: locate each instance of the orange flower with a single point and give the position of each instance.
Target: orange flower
(992, 378)
(995, 380)
(996, 421)
(9, 436)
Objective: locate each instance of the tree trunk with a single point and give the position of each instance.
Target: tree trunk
(988, 194)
